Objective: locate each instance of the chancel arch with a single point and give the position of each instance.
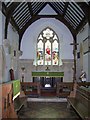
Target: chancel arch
(29, 41)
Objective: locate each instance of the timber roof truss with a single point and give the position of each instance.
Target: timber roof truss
(22, 14)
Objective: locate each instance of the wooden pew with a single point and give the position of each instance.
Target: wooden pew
(6, 101)
(31, 88)
(81, 101)
(64, 89)
(83, 84)
(19, 102)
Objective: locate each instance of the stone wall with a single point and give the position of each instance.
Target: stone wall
(29, 67)
(8, 50)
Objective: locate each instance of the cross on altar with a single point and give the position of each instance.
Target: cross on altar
(74, 54)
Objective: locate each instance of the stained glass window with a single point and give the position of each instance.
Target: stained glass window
(40, 53)
(48, 53)
(48, 48)
(55, 54)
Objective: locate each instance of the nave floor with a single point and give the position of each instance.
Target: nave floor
(47, 110)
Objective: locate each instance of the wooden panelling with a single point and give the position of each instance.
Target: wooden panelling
(7, 102)
(81, 100)
(64, 89)
(31, 88)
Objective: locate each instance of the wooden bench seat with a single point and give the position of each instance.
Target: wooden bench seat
(80, 102)
(81, 109)
(19, 103)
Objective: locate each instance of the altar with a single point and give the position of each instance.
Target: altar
(47, 78)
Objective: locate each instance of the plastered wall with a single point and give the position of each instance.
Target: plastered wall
(29, 40)
(83, 47)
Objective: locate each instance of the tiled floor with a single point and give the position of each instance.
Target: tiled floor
(48, 110)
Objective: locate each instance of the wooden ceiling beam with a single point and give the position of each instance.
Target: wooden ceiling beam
(12, 7)
(21, 32)
(86, 9)
(62, 19)
(9, 12)
(3, 8)
(30, 8)
(41, 8)
(14, 24)
(81, 24)
(34, 18)
(54, 8)
(17, 14)
(49, 16)
(65, 8)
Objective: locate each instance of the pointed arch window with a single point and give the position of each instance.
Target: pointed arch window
(47, 48)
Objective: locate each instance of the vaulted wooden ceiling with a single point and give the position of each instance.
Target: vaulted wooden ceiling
(23, 14)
